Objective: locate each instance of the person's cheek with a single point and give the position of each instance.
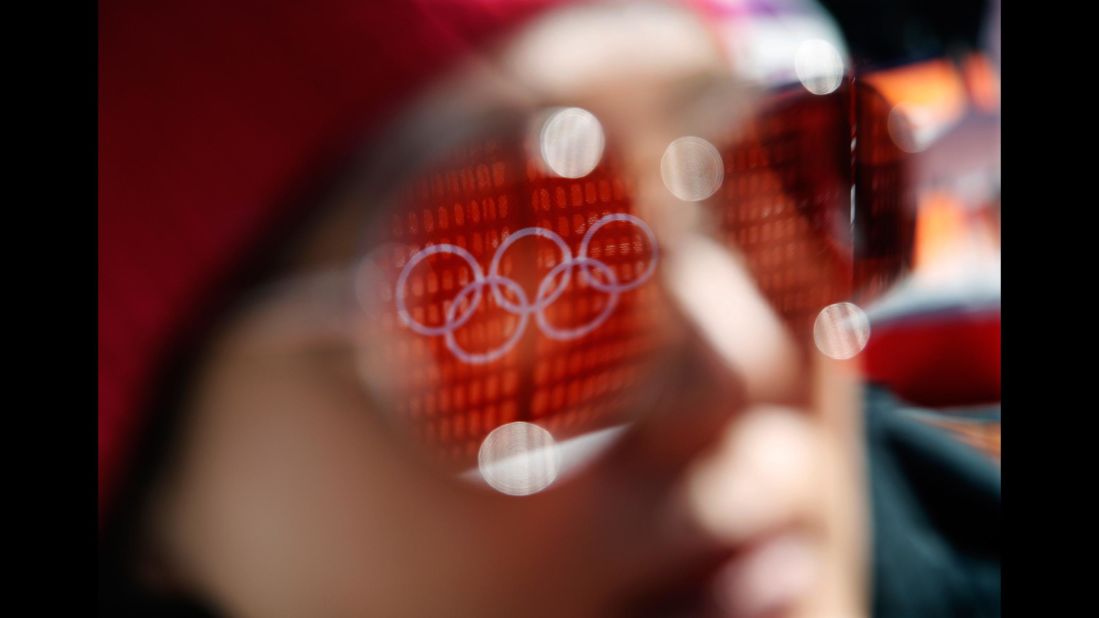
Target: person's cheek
(294, 499)
(288, 498)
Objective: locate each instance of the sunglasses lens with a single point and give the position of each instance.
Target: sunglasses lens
(513, 304)
(512, 301)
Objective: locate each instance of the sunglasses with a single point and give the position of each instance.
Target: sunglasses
(513, 291)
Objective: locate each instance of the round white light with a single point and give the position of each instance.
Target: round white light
(905, 130)
(571, 141)
(841, 330)
(692, 169)
(518, 459)
(819, 66)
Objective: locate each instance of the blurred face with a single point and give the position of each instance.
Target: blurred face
(354, 448)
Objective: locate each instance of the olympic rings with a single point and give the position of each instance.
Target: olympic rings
(546, 295)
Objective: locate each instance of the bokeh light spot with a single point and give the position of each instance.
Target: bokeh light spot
(692, 169)
(841, 330)
(571, 142)
(518, 459)
(904, 130)
(819, 66)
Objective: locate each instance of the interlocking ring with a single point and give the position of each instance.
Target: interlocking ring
(419, 256)
(491, 355)
(584, 242)
(494, 267)
(546, 295)
(575, 333)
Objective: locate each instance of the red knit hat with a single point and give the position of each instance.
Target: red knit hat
(208, 113)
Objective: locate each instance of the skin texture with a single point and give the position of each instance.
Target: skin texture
(739, 496)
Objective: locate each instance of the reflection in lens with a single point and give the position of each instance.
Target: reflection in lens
(571, 142)
(465, 325)
(819, 66)
(692, 169)
(904, 130)
(518, 459)
(841, 330)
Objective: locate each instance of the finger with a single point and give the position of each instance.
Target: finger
(761, 477)
(768, 578)
(841, 515)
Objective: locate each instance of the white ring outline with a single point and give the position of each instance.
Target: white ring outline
(544, 297)
(419, 256)
(552, 331)
(494, 267)
(617, 287)
(478, 358)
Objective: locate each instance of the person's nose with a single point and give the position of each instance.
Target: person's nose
(732, 352)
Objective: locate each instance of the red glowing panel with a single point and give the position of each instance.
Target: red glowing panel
(524, 297)
(512, 294)
(785, 203)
